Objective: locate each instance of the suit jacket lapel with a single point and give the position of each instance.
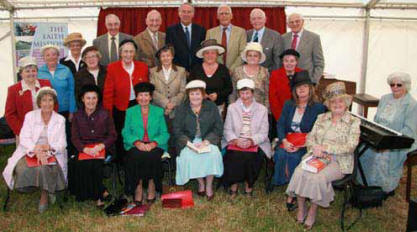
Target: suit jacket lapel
(303, 41)
(181, 33)
(147, 37)
(249, 35)
(106, 46)
(172, 76)
(160, 42)
(265, 38)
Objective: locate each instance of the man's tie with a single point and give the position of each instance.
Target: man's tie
(294, 41)
(155, 40)
(187, 36)
(113, 50)
(224, 44)
(256, 37)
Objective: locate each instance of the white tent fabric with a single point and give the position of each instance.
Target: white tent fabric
(391, 41)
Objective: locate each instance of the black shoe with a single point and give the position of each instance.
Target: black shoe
(292, 206)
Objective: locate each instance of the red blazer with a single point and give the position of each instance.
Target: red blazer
(279, 90)
(18, 104)
(117, 85)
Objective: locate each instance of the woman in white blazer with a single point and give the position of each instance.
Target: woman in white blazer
(43, 140)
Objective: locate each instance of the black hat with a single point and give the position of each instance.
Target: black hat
(301, 78)
(292, 52)
(144, 87)
(90, 88)
(166, 47)
(128, 41)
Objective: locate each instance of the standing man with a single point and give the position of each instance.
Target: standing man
(306, 43)
(233, 38)
(271, 41)
(185, 37)
(150, 40)
(108, 44)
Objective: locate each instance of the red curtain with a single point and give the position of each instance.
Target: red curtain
(133, 19)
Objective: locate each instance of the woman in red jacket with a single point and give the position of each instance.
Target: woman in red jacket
(118, 93)
(21, 97)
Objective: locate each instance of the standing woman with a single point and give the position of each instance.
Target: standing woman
(215, 75)
(92, 131)
(93, 73)
(298, 116)
(169, 80)
(396, 110)
(42, 137)
(198, 121)
(74, 42)
(245, 138)
(119, 93)
(21, 97)
(334, 137)
(253, 56)
(145, 138)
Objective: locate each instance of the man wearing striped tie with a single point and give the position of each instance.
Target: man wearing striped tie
(271, 41)
(306, 43)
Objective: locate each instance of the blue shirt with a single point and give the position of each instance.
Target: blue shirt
(260, 34)
(63, 83)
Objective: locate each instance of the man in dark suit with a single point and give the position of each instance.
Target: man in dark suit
(308, 44)
(271, 41)
(108, 44)
(185, 37)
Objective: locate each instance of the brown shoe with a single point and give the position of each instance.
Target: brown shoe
(201, 194)
(209, 198)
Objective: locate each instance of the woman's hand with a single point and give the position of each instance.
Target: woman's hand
(70, 116)
(244, 143)
(319, 151)
(42, 157)
(170, 106)
(89, 151)
(141, 146)
(212, 96)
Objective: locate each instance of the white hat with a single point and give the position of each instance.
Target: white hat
(209, 44)
(253, 46)
(196, 84)
(49, 46)
(248, 83)
(27, 61)
(45, 89)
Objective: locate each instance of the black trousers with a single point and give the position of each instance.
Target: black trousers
(119, 122)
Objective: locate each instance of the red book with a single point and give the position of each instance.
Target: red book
(233, 147)
(33, 161)
(138, 210)
(84, 156)
(314, 164)
(296, 139)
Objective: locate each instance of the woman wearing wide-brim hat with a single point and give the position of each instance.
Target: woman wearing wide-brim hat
(215, 75)
(334, 138)
(74, 42)
(253, 56)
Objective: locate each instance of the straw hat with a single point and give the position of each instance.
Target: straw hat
(26, 61)
(75, 36)
(336, 90)
(209, 44)
(253, 46)
(245, 83)
(196, 84)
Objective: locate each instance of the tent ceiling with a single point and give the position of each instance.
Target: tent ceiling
(36, 4)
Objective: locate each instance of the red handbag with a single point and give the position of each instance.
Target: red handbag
(296, 139)
(181, 199)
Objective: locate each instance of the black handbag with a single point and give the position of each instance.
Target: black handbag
(364, 197)
(5, 131)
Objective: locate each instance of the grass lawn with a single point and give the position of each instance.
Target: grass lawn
(262, 213)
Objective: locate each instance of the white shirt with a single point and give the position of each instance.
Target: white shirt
(72, 59)
(300, 33)
(260, 34)
(189, 30)
(33, 91)
(95, 75)
(116, 41)
(132, 91)
(167, 73)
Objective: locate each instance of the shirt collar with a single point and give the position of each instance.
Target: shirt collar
(26, 87)
(229, 27)
(71, 58)
(116, 36)
(151, 33)
(188, 26)
(300, 33)
(345, 118)
(260, 31)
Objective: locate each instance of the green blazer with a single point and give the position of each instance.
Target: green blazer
(133, 129)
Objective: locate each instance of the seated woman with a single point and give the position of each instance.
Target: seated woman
(398, 111)
(145, 138)
(334, 137)
(298, 116)
(246, 138)
(43, 141)
(92, 132)
(21, 97)
(198, 124)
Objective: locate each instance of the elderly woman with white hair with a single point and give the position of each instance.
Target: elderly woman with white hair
(40, 160)
(398, 111)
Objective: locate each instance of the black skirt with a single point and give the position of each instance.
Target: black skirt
(143, 165)
(242, 166)
(85, 179)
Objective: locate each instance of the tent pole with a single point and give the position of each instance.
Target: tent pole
(13, 43)
(362, 83)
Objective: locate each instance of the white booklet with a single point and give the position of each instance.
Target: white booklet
(199, 150)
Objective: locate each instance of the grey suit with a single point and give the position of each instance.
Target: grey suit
(101, 43)
(273, 45)
(311, 53)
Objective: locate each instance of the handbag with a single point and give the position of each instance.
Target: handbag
(181, 199)
(364, 197)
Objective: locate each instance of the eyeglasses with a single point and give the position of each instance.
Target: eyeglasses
(399, 85)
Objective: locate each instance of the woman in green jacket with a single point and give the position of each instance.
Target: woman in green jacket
(145, 138)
